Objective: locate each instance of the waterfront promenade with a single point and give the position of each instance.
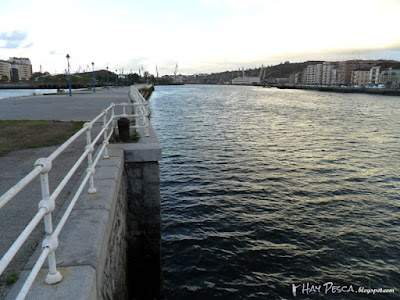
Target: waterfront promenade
(82, 106)
(17, 213)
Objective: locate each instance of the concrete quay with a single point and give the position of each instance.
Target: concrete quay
(79, 107)
(106, 230)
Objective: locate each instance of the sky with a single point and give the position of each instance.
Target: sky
(200, 36)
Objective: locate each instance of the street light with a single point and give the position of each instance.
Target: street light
(116, 79)
(69, 76)
(94, 80)
(107, 80)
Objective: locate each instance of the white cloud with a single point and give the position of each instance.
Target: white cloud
(209, 34)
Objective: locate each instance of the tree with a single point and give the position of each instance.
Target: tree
(4, 78)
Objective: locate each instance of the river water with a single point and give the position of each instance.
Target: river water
(12, 93)
(263, 189)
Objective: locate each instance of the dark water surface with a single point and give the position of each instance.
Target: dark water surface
(265, 188)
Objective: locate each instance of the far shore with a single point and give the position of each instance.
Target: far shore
(343, 89)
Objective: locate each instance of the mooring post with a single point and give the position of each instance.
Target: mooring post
(123, 129)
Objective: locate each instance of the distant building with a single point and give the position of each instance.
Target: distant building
(17, 67)
(318, 73)
(390, 78)
(293, 78)
(374, 75)
(360, 77)
(244, 80)
(304, 76)
(281, 80)
(346, 67)
(5, 69)
(297, 78)
(310, 74)
(314, 74)
(329, 73)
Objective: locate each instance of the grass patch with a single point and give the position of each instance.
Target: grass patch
(23, 134)
(9, 280)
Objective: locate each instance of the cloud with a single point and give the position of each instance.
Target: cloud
(13, 39)
(28, 45)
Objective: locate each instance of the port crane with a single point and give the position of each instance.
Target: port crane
(176, 71)
(79, 70)
(261, 72)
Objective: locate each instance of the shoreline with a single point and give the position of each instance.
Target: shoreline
(360, 90)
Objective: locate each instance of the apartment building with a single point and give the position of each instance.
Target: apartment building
(374, 75)
(17, 67)
(318, 73)
(310, 74)
(390, 77)
(329, 73)
(5, 69)
(346, 67)
(297, 78)
(360, 77)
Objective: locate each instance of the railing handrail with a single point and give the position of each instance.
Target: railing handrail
(46, 206)
(140, 108)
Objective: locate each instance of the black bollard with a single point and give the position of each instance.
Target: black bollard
(123, 129)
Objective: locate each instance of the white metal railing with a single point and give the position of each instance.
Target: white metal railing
(141, 109)
(46, 206)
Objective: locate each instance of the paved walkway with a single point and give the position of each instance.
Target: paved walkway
(16, 214)
(80, 107)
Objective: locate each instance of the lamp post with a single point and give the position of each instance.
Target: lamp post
(107, 80)
(69, 76)
(94, 80)
(116, 78)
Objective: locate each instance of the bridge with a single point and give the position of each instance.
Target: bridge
(104, 241)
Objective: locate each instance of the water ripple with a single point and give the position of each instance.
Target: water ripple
(263, 188)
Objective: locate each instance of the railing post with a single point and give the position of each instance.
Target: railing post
(48, 203)
(105, 135)
(90, 168)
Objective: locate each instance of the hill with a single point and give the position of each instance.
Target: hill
(283, 70)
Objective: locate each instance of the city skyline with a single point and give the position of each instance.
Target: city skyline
(201, 36)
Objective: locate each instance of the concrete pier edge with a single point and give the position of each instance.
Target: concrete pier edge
(96, 242)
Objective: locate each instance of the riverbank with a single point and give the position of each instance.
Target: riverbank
(375, 91)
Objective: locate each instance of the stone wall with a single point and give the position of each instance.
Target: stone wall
(114, 282)
(144, 230)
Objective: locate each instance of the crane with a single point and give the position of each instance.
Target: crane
(176, 71)
(261, 72)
